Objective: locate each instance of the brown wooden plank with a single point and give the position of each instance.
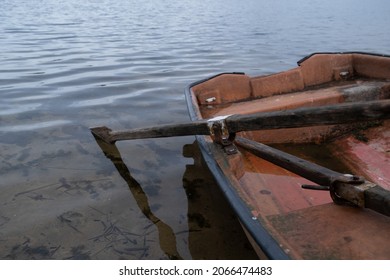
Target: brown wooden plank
(333, 232)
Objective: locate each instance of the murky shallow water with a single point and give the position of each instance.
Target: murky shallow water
(67, 66)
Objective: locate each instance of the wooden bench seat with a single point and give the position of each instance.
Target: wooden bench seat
(352, 91)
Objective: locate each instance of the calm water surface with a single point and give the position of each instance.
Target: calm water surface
(69, 65)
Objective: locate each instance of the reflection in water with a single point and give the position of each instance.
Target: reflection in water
(209, 236)
(166, 235)
(212, 222)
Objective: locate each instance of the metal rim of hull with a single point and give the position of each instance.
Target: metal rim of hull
(356, 52)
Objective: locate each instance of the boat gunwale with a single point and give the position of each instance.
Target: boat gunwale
(299, 62)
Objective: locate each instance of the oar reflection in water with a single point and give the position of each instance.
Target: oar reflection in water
(166, 234)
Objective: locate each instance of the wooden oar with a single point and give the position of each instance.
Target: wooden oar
(301, 117)
(343, 188)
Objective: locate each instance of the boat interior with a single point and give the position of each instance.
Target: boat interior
(273, 193)
(319, 80)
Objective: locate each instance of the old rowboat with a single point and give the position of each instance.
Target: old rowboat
(264, 185)
(328, 196)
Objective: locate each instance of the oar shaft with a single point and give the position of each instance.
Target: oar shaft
(180, 129)
(378, 199)
(311, 171)
(325, 115)
(168, 130)
(309, 116)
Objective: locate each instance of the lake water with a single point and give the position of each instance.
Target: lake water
(66, 66)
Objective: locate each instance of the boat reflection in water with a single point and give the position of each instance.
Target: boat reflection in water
(209, 236)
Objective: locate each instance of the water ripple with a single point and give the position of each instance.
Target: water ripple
(33, 126)
(69, 65)
(11, 109)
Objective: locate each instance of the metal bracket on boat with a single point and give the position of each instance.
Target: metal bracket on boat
(345, 75)
(346, 189)
(220, 134)
(349, 190)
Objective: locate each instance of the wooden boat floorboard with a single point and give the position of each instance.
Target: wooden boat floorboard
(333, 232)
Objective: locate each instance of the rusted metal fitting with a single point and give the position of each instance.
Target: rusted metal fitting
(218, 128)
(349, 190)
(220, 134)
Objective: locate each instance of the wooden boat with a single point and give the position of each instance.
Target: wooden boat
(263, 185)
